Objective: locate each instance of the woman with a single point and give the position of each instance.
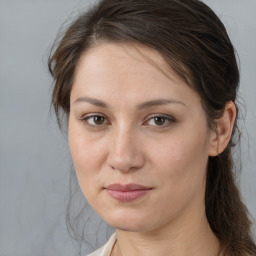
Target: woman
(149, 91)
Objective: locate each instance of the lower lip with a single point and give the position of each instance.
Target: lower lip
(127, 196)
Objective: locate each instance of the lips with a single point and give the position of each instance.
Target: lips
(128, 192)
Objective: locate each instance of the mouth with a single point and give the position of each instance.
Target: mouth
(127, 192)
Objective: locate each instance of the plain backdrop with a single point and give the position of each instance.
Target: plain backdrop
(34, 155)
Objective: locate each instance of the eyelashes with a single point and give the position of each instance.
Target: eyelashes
(95, 121)
(99, 121)
(160, 120)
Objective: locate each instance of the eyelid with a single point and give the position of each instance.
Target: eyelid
(167, 117)
(85, 118)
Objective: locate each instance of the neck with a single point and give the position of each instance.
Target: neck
(188, 236)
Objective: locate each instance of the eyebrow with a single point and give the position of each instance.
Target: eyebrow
(147, 104)
(92, 101)
(159, 102)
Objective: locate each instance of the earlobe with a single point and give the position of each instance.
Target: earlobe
(224, 126)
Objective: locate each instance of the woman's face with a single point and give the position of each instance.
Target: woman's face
(139, 139)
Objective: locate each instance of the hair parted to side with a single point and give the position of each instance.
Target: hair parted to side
(194, 43)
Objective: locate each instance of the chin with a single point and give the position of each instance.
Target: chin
(130, 228)
(129, 223)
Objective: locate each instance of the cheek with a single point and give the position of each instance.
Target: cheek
(87, 160)
(85, 155)
(183, 160)
(88, 157)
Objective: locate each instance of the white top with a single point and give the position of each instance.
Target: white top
(106, 249)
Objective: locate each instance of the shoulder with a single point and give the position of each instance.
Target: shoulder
(106, 249)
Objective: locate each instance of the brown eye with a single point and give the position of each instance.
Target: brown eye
(159, 120)
(95, 120)
(98, 120)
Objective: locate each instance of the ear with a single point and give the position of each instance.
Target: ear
(220, 137)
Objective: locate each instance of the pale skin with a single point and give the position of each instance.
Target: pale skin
(130, 123)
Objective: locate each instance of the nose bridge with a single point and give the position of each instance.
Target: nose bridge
(125, 153)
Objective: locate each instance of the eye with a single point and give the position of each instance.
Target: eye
(94, 120)
(160, 120)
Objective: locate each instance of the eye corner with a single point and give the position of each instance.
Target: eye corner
(163, 120)
(94, 121)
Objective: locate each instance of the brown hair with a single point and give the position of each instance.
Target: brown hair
(194, 42)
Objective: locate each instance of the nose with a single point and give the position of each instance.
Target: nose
(126, 152)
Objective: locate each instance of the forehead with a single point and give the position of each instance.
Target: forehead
(127, 71)
(127, 56)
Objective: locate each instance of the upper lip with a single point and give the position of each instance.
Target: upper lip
(126, 187)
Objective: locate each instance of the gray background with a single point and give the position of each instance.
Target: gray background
(34, 155)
